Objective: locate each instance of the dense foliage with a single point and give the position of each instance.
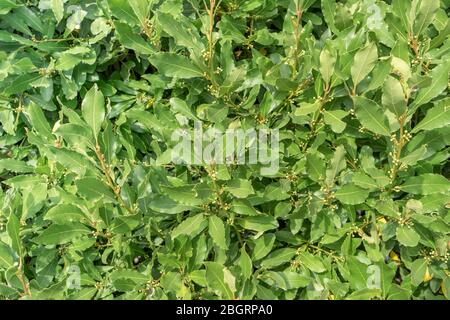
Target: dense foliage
(91, 207)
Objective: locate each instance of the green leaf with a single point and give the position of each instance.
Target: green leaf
(13, 230)
(263, 245)
(61, 233)
(126, 280)
(123, 10)
(33, 199)
(184, 194)
(439, 82)
(244, 207)
(24, 181)
(371, 116)
(278, 257)
(357, 273)
(258, 223)
(399, 293)
(93, 109)
(39, 122)
(351, 194)
(131, 40)
(394, 97)
(329, 10)
(181, 31)
(215, 278)
(6, 256)
(94, 189)
(425, 184)
(7, 5)
(364, 181)
(327, 62)
(216, 230)
(386, 274)
(313, 263)
(191, 226)
(306, 108)
(141, 9)
(288, 280)
(425, 15)
(333, 119)
(401, 67)
(363, 63)
(437, 117)
(62, 213)
(245, 264)
(171, 281)
(71, 160)
(418, 270)
(21, 83)
(407, 236)
(336, 165)
(364, 294)
(58, 9)
(164, 204)
(14, 165)
(380, 72)
(414, 156)
(199, 277)
(174, 65)
(76, 135)
(181, 106)
(240, 188)
(315, 166)
(67, 62)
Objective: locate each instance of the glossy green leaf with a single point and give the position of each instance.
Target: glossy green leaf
(174, 65)
(364, 62)
(216, 280)
(216, 230)
(426, 184)
(371, 116)
(93, 109)
(245, 263)
(94, 189)
(61, 233)
(191, 226)
(407, 236)
(240, 188)
(351, 194)
(394, 97)
(13, 229)
(131, 40)
(313, 263)
(437, 117)
(278, 257)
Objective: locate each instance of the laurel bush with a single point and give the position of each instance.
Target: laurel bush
(92, 207)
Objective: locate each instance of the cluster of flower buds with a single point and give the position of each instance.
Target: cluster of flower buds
(45, 72)
(213, 90)
(291, 176)
(361, 129)
(406, 222)
(406, 135)
(206, 55)
(212, 174)
(329, 197)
